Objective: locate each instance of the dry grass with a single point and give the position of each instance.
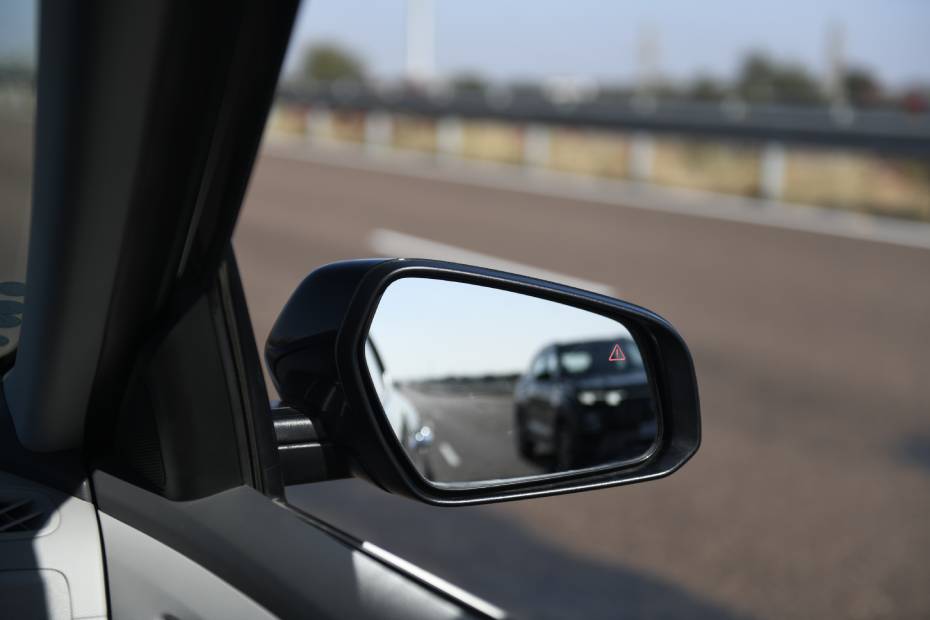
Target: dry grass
(859, 181)
(493, 141)
(347, 126)
(414, 132)
(856, 181)
(290, 120)
(589, 152)
(715, 166)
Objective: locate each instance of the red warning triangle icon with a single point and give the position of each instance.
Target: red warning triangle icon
(616, 355)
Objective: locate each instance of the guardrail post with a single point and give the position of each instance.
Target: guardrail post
(319, 124)
(536, 145)
(379, 131)
(449, 136)
(642, 155)
(772, 173)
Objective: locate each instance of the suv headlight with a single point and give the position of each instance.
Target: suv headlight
(614, 397)
(587, 397)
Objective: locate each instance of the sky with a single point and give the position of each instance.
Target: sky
(431, 328)
(510, 40)
(17, 29)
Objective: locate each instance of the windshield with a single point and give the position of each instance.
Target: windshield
(17, 113)
(600, 358)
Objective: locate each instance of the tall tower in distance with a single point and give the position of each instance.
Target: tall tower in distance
(647, 65)
(420, 40)
(836, 65)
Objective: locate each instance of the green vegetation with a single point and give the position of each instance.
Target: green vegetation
(328, 62)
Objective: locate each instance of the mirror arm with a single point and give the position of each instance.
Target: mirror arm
(304, 453)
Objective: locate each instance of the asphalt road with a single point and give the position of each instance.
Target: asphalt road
(810, 496)
(474, 436)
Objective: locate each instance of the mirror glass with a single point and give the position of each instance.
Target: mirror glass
(484, 386)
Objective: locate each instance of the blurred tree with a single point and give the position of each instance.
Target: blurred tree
(469, 82)
(706, 88)
(527, 89)
(862, 88)
(762, 79)
(17, 72)
(916, 102)
(615, 92)
(328, 62)
(794, 85)
(756, 75)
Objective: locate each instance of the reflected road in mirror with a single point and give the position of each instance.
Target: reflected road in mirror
(483, 386)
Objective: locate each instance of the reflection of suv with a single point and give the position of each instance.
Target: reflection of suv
(414, 435)
(581, 402)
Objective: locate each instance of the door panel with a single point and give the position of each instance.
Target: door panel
(149, 579)
(276, 558)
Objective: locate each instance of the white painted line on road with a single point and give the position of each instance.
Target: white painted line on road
(619, 193)
(395, 243)
(449, 454)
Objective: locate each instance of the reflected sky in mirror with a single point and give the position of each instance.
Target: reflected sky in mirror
(433, 328)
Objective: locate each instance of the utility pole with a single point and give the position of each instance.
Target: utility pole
(647, 63)
(836, 65)
(420, 41)
(645, 101)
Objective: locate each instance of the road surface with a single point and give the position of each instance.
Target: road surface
(810, 496)
(474, 435)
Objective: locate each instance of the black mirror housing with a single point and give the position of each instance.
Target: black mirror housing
(316, 359)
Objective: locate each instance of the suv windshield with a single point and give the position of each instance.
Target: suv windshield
(17, 114)
(596, 358)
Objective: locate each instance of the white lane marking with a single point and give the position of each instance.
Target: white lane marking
(449, 454)
(613, 192)
(395, 243)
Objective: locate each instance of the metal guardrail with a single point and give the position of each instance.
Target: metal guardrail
(886, 130)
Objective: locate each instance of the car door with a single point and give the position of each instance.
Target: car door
(138, 452)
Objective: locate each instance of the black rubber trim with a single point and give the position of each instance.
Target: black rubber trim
(257, 422)
(292, 426)
(304, 453)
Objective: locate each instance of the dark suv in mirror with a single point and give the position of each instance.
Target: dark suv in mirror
(583, 403)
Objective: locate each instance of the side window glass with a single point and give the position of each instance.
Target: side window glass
(552, 364)
(432, 129)
(539, 366)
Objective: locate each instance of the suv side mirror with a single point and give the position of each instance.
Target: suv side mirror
(455, 426)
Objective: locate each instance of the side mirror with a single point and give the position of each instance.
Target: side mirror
(418, 374)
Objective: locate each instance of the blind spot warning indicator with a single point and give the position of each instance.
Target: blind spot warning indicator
(616, 354)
